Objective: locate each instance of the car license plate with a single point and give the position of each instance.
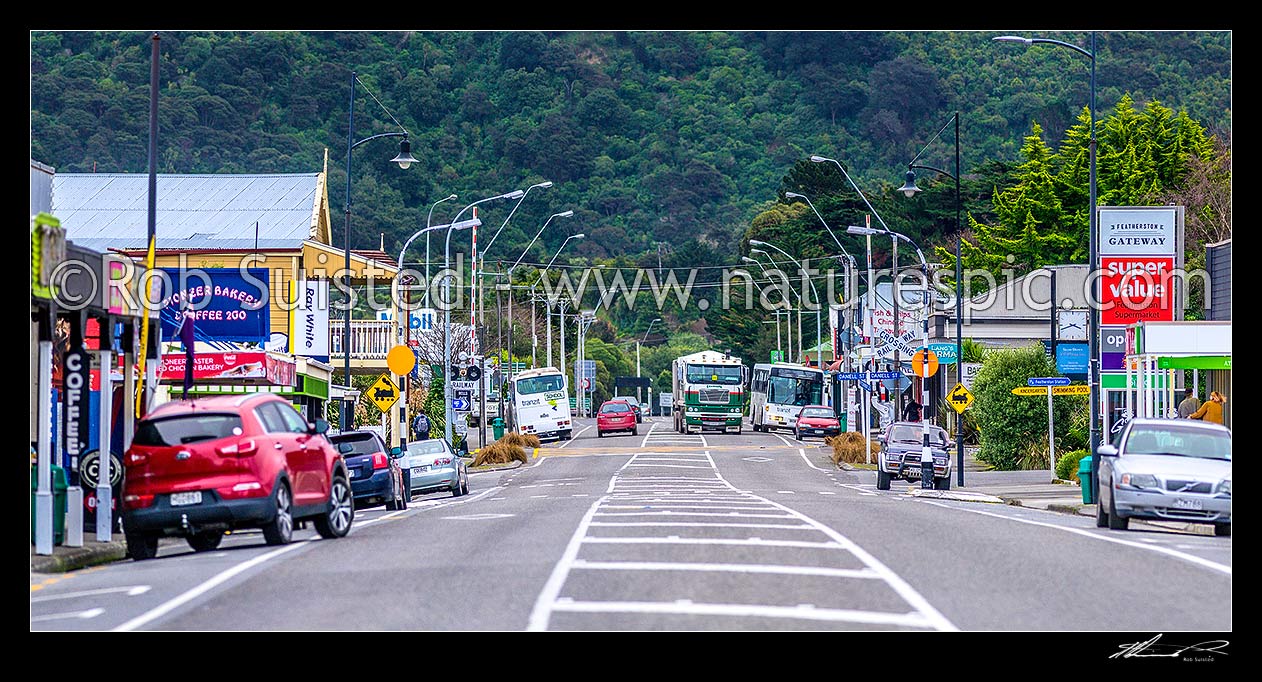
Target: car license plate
(1182, 503)
(419, 470)
(182, 499)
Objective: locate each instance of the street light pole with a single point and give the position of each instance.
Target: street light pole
(819, 337)
(548, 304)
(404, 159)
(909, 189)
(1093, 326)
(509, 277)
(446, 301)
(747, 259)
(638, 395)
(427, 224)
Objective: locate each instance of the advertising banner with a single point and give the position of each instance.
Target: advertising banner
(1136, 289)
(236, 365)
(1139, 230)
(309, 321)
(228, 304)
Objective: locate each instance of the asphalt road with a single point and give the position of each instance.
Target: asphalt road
(664, 531)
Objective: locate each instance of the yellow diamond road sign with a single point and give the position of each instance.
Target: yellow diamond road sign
(960, 398)
(383, 393)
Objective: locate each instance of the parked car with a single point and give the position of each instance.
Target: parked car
(198, 468)
(376, 477)
(635, 405)
(615, 415)
(901, 447)
(816, 420)
(432, 465)
(1172, 469)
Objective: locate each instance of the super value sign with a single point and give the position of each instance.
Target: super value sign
(1136, 289)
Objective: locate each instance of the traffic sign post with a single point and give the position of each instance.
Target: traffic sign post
(960, 398)
(924, 363)
(1051, 386)
(383, 392)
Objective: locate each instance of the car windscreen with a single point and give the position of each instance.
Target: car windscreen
(187, 428)
(610, 408)
(818, 412)
(425, 447)
(714, 374)
(1177, 440)
(361, 443)
(533, 385)
(916, 434)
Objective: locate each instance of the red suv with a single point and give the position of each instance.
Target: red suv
(200, 467)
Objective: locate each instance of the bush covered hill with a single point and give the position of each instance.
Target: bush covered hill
(652, 138)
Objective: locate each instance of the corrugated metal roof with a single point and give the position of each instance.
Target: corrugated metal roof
(104, 210)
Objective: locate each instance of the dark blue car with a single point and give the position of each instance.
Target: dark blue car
(376, 476)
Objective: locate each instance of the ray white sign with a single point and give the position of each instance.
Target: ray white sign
(310, 324)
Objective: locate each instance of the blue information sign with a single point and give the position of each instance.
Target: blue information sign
(1047, 381)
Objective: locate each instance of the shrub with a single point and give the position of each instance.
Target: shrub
(1067, 465)
(849, 447)
(501, 451)
(1012, 426)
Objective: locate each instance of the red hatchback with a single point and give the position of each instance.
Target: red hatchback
(200, 467)
(615, 415)
(816, 420)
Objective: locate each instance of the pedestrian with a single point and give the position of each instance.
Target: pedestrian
(1212, 410)
(1189, 405)
(420, 426)
(911, 410)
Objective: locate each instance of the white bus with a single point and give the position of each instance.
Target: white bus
(539, 403)
(778, 392)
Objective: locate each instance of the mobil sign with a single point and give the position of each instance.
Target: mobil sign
(1136, 289)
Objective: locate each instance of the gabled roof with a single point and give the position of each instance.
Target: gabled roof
(110, 210)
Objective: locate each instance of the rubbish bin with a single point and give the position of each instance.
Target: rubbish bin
(1084, 480)
(497, 427)
(841, 421)
(59, 503)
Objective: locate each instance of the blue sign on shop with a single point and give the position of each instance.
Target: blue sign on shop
(1072, 358)
(229, 304)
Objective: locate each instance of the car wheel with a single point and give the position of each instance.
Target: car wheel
(1222, 529)
(882, 480)
(455, 487)
(600, 434)
(141, 546)
(1117, 521)
(280, 530)
(943, 483)
(464, 487)
(205, 541)
(797, 434)
(1101, 516)
(337, 522)
(635, 431)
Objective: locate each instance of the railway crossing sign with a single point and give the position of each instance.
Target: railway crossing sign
(924, 363)
(383, 392)
(960, 398)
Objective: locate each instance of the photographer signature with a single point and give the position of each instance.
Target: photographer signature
(1137, 649)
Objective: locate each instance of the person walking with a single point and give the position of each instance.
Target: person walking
(911, 409)
(420, 426)
(1212, 410)
(1189, 405)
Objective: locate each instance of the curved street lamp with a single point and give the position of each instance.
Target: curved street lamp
(479, 263)
(909, 189)
(509, 276)
(850, 262)
(405, 160)
(819, 337)
(547, 307)
(1093, 335)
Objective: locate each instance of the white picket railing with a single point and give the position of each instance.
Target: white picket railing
(370, 339)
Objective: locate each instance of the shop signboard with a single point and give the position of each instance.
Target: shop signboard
(228, 304)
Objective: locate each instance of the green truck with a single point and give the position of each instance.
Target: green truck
(708, 392)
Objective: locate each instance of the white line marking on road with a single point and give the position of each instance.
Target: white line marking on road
(827, 492)
(547, 599)
(786, 492)
(132, 591)
(536, 497)
(688, 608)
(655, 524)
(580, 495)
(726, 568)
(809, 463)
(782, 440)
(574, 437)
(646, 436)
(90, 613)
(725, 514)
(205, 587)
(751, 542)
(1164, 550)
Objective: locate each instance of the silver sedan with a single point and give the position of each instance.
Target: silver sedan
(1171, 469)
(431, 465)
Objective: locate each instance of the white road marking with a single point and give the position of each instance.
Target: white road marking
(684, 607)
(131, 591)
(809, 463)
(90, 613)
(205, 587)
(726, 568)
(702, 525)
(646, 436)
(749, 542)
(574, 437)
(1086, 533)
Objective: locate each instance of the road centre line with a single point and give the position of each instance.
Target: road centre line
(646, 436)
(1164, 550)
(574, 437)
